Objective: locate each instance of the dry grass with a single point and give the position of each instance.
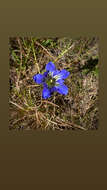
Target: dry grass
(79, 109)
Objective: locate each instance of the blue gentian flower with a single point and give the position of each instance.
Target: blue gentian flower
(52, 80)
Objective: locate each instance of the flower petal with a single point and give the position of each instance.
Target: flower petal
(56, 72)
(38, 78)
(59, 82)
(50, 67)
(53, 89)
(45, 74)
(45, 85)
(62, 89)
(64, 73)
(46, 93)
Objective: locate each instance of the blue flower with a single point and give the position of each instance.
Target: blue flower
(52, 80)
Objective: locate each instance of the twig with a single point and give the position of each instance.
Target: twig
(48, 123)
(20, 107)
(50, 103)
(48, 119)
(71, 124)
(51, 121)
(54, 105)
(37, 118)
(45, 50)
(45, 101)
(29, 86)
(18, 120)
(65, 51)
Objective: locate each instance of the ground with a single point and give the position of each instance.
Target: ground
(78, 110)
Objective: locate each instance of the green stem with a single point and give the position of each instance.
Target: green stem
(35, 56)
(65, 51)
